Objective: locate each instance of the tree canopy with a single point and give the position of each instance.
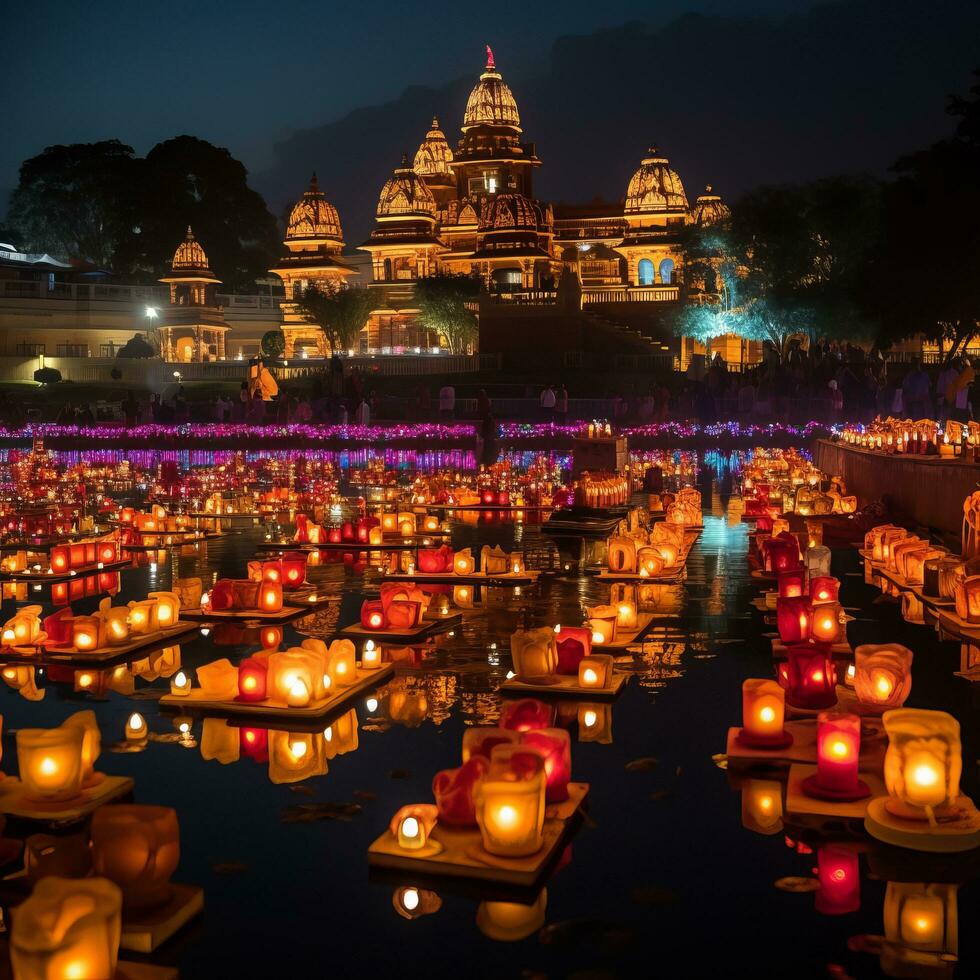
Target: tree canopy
(341, 312)
(137, 347)
(444, 301)
(273, 343)
(126, 214)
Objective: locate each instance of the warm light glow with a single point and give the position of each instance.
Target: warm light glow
(589, 676)
(590, 718)
(506, 817)
(767, 714)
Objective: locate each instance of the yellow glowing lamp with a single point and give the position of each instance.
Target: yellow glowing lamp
(595, 671)
(510, 815)
(49, 761)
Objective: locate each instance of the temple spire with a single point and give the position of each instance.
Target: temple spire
(490, 62)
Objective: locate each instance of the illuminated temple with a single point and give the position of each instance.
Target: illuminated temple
(471, 209)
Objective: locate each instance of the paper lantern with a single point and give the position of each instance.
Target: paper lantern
(763, 715)
(838, 752)
(86, 633)
(762, 806)
(824, 588)
(49, 761)
(389, 523)
(412, 903)
(295, 756)
(412, 824)
(626, 617)
(372, 615)
(24, 628)
(60, 558)
(526, 714)
(67, 928)
(595, 671)
(188, 592)
(376, 535)
(218, 680)
(403, 614)
(510, 814)
(293, 568)
(140, 616)
(295, 677)
(115, 625)
(793, 619)
(923, 762)
(341, 736)
(494, 561)
(463, 563)
(534, 653)
(455, 792)
(252, 679)
(839, 877)
(811, 676)
(270, 637)
(137, 847)
(91, 744)
(922, 922)
(270, 597)
(968, 599)
(556, 748)
(342, 663)
(649, 562)
(572, 643)
(791, 583)
(482, 741)
(781, 554)
(621, 555)
(882, 674)
(826, 624)
(58, 627)
(594, 722)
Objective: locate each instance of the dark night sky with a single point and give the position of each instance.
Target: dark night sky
(246, 73)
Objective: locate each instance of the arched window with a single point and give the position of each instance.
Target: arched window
(644, 272)
(667, 271)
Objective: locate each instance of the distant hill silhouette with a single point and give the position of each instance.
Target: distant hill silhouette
(845, 87)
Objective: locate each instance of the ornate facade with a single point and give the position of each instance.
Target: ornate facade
(192, 327)
(314, 243)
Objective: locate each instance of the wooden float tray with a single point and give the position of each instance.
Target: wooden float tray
(276, 710)
(838, 651)
(350, 546)
(14, 803)
(803, 749)
(674, 574)
(287, 612)
(462, 854)
(144, 931)
(933, 602)
(68, 654)
(567, 686)
(950, 623)
(964, 835)
(625, 638)
(42, 577)
(424, 629)
(799, 805)
(475, 578)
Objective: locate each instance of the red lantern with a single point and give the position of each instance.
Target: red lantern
(222, 594)
(303, 529)
(792, 583)
(781, 553)
(811, 676)
(556, 747)
(573, 643)
(372, 614)
(824, 588)
(526, 715)
(793, 619)
(59, 593)
(60, 558)
(333, 535)
(252, 680)
(107, 552)
(435, 560)
(58, 626)
(838, 752)
(838, 873)
(403, 614)
(347, 532)
(454, 791)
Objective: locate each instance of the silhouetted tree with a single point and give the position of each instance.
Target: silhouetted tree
(444, 301)
(341, 312)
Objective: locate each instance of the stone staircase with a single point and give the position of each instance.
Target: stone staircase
(627, 338)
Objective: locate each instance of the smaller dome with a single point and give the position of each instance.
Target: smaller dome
(510, 212)
(655, 187)
(190, 255)
(313, 216)
(709, 208)
(491, 103)
(405, 195)
(433, 156)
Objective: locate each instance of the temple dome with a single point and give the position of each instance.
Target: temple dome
(434, 155)
(491, 103)
(313, 216)
(709, 208)
(510, 212)
(405, 194)
(655, 187)
(190, 256)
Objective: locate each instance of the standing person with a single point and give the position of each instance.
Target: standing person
(363, 415)
(547, 402)
(447, 401)
(915, 389)
(561, 405)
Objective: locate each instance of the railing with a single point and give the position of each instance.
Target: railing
(105, 292)
(239, 301)
(525, 297)
(630, 294)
